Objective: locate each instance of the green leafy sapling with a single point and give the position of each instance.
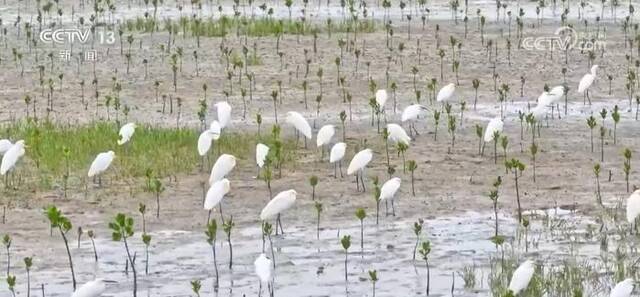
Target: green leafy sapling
(227, 226)
(417, 230)
(62, 223)
(412, 165)
(425, 250)
(515, 166)
(28, 263)
(11, 283)
(211, 233)
(361, 214)
(313, 181)
(146, 239)
(121, 229)
(93, 244)
(373, 276)
(196, 285)
(626, 165)
(346, 243)
(6, 241)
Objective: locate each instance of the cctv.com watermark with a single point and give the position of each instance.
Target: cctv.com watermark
(563, 39)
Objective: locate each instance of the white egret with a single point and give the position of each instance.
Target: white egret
(550, 98)
(495, 125)
(446, 93)
(216, 129)
(521, 277)
(324, 136)
(633, 207)
(388, 192)
(100, 164)
(204, 142)
(381, 98)
(94, 288)
(300, 124)
(264, 271)
(261, 154)
(397, 134)
(358, 164)
(224, 113)
(10, 158)
(5, 145)
(281, 202)
(586, 82)
(215, 194)
(336, 155)
(222, 167)
(126, 132)
(411, 114)
(623, 288)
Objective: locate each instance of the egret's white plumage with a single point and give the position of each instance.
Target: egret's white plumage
(216, 193)
(299, 123)
(264, 268)
(521, 277)
(360, 161)
(412, 112)
(587, 80)
(215, 128)
(389, 189)
(126, 132)
(397, 134)
(495, 125)
(261, 154)
(325, 134)
(281, 202)
(446, 93)
(633, 206)
(623, 288)
(337, 152)
(101, 163)
(204, 142)
(5, 145)
(224, 113)
(94, 288)
(222, 167)
(381, 98)
(11, 157)
(547, 98)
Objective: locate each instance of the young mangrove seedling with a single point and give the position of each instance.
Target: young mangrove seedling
(615, 115)
(227, 226)
(516, 167)
(479, 133)
(93, 244)
(493, 195)
(627, 166)
(11, 283)
(417, 230)
(6, 241)
(267, 230)
(373, 276)
(361, 214)
(157, 188)
(211, 232)
(596, 172)
(412, 166)
(591, 122)
(79, 235)
(534, 151)
(376, 197)
(195, 287)
(313, 181)
(318, 207)
(346, 243)
(425, 250)
(62, 223)
(28, 262)
(121, 229)
(146, 239)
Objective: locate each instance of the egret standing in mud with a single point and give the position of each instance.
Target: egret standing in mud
(100, 165)
(623, 288)
(126, 132)
(397, 134)
(264, 271)
(493, 129)
(300, 125)
(94, 288)
(381, 99)
(222, 167)
(261, 155)
(551, 99)
(11, 157)
(324, 136)
(224, 113)
(411, 114)
(586, 82)
(358, 164)
(204, 144)
(388, 192)
(633, 208)
(521, 277)
(216, 192)
(446, 93)
(335, 157)
(281, 202)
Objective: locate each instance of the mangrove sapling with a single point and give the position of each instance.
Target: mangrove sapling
(496, 138)
(476, 85)
(28, 262)
(534, 150)
(504, 143)
(313, 181)
(157, 188)
(11, 283)
(493, 195)
(122, 228)
(591, 122)
(412, 166)
(436, 119)
(62, 223)
(373, 276)
(451, 127)
(385, 137)
(79, 235)
(627, 166)
(6, 241)
(318, 207)
(146, 239)
(196, 286)
(603, 131)
(596, 172)
(479, 133)
(226, 227)
(417, 230)
(343, 118)
(425, 250)
(376, 197)
(516, 167)
(361, 214)
(93, 244)
(211, 233)
(402, 148)
(346, 243)
(615, 115)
